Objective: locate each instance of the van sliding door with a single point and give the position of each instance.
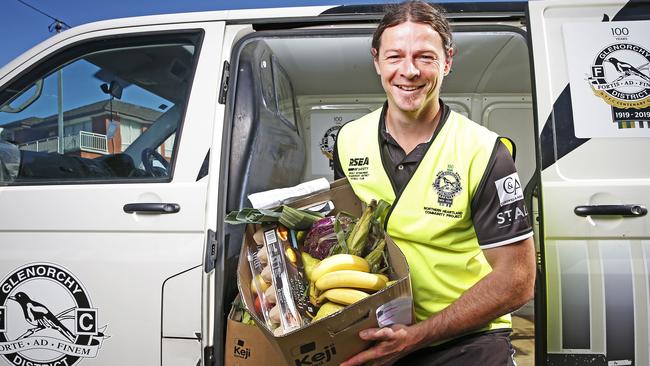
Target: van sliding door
(593, 110)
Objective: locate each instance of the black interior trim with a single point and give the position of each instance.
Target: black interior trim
(535, 181)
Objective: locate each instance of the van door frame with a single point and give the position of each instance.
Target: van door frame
(532, 189)
(227, 251)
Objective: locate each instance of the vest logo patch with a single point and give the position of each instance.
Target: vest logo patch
(509, 189)
(358, 168)
(447, 185)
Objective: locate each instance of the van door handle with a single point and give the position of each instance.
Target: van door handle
(623, 210)
(162, 208)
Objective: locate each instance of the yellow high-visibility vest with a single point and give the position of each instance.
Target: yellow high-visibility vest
(430, 220)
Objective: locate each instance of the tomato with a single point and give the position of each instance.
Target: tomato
(258, 305)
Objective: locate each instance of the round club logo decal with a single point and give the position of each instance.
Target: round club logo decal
(328, 140)
(620, 76)
(47, 318)
(447, 185)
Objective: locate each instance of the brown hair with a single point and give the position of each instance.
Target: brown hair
(416, 11)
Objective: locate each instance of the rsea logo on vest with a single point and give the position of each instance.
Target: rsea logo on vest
(359, 168)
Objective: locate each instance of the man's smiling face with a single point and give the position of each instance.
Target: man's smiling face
(411, 62)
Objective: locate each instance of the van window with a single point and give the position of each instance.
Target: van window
(97, 115)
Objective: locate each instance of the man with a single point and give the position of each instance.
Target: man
(458, 213)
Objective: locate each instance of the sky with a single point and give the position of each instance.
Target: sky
(21, 27)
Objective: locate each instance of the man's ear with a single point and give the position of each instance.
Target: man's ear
(448, 61)
(375, 59)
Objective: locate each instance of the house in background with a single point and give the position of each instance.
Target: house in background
(88, 131)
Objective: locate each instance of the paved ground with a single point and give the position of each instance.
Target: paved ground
(523, 336)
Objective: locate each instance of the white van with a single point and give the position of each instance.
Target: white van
(124, 143)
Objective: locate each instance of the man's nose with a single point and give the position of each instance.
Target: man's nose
(409, 69)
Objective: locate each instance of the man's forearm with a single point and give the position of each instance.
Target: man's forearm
(500, 292)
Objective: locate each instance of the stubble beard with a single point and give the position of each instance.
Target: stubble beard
(412, 104)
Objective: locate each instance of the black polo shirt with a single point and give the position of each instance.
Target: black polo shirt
(399, 165)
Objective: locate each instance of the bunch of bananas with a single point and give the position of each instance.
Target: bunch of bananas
(340, 280)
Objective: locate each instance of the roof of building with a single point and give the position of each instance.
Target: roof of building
(146, 115)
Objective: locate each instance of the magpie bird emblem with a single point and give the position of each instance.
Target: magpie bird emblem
(61, 324)
(627, 70)
(447, 185)
(39, 316)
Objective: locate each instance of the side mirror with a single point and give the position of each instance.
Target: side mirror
(38, 89)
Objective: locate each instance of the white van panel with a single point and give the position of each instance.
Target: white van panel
(304, 11)
(181, 297)
(596, 277)
(180, 352)
(100, 208)
(551, 75)
(122, 275)
(616, 159)
(123, 260)
(318, 115)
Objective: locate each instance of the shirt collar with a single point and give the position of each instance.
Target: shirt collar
(385, 136)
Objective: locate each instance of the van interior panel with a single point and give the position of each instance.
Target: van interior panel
(489, 82)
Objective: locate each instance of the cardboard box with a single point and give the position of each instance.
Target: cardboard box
(333, 339)
(246, 345)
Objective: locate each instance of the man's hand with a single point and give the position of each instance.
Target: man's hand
(391, 343)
